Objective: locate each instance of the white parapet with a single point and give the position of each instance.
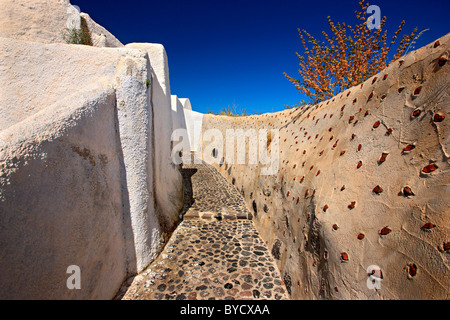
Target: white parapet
(194, 122)
(178, 121)
(185, 118)
(80, 173)
(186, 103)
(46, 21)
(62, 200)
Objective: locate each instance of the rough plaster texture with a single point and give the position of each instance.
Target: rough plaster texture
(339, 201)
(35, 78)
(178, 117)
(186, 103)
(44, 21)
(178, 127)
(168, 194)
(61, 200)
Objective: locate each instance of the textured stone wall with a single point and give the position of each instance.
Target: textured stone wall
(194, 121)
(363, 181)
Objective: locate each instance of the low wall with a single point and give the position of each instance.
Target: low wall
(178, 116)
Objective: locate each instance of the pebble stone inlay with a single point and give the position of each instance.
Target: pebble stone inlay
(212, 196)
(211, 258)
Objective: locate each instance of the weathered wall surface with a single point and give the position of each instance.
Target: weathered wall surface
(363, 180)
(194, 124)
(45, 20)
(35, 79)
(87, 178)
(168, 180)
(61, 201)
(178, 117)
(36, 76)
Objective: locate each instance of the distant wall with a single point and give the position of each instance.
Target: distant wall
(45, 20)
(168, 194)
(61, 201)
(186, 103)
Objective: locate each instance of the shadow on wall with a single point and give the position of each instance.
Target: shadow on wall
(361, 186)
(86, 180)
(188, 196)
(64, 201)
(179, 121)
(130, 248)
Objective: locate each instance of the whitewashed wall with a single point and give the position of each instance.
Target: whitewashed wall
(105, 173)
(194, 122)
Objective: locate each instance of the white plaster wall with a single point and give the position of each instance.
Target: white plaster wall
(44, 21)
(194, 122)
(186, 103)
(34, 76)
(168, 194)
(100, 36)
(181, 137)
(61, 201)
(30, 87)
(177, 113)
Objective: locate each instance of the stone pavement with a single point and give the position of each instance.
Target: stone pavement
(215, 252)
(209, 195)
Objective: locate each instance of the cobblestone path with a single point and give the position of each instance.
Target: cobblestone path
(209, 195)
(215, 252)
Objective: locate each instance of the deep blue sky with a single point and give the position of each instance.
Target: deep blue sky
(234, 52)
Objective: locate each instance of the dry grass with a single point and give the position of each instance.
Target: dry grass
(230, 111)
(78, 36)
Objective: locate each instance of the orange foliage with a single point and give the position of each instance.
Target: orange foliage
(347, 58)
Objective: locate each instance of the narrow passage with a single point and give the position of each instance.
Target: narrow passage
(215, 252)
